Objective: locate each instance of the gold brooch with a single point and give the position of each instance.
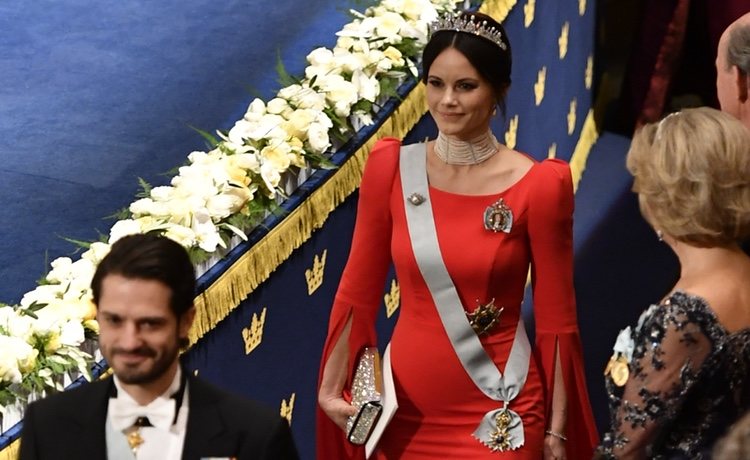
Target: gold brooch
(500, 438)
(484, 317)
(617, 368)
(498, 217)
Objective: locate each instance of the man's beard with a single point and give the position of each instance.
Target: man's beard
(137, 376)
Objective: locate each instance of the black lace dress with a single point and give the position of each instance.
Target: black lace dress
(689, 380)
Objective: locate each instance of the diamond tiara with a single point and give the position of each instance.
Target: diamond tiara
(466, 25)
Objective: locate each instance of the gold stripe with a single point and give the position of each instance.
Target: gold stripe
(11, 451)
(589, 136)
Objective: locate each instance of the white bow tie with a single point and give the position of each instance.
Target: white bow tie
(160, 413)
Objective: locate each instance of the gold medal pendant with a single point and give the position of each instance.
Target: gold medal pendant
(484, 317)
(135, 440)
(617, 369)
(500, 437)
(498, 217)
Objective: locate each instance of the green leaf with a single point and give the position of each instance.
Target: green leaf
(145, 188)
(284, 78)
(211, 140)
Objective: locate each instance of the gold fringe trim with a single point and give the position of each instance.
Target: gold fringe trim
(11, 451)
(257, 264)
(589, 136)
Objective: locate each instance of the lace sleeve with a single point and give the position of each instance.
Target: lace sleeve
(670, 348)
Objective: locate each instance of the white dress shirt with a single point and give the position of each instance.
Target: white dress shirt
(160, 442)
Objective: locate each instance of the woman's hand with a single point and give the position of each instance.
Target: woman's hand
(332, 384)
(554, 448)
(335, 407)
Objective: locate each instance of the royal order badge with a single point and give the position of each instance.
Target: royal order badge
(484, 317)
(500, 438)
(498, 217)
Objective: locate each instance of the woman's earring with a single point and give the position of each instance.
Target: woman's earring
(660, 235)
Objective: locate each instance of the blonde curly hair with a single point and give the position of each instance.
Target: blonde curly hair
(692, 175)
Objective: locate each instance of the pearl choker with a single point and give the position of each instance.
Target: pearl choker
(456, 152)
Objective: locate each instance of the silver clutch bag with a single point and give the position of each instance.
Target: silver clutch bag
(367, 388)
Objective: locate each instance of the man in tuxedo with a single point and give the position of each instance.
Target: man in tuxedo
(733, 74)
(150, 408)
(733, 70)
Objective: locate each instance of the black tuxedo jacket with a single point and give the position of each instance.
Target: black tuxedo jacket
(71, 425)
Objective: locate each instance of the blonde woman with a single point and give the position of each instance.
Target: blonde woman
(680, 378)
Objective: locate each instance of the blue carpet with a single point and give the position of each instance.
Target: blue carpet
(95, 95)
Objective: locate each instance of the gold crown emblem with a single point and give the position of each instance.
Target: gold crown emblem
(287, 408)
(314, 275)
(392, 299)
(552, 152)
(589, 76)
(528, 13)
(510, 134)
(563, 40)
(541, 79)
(572, 116)
(253, 335)
(581, 7)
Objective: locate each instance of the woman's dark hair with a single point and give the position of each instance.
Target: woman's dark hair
(492, 62)
(150, 257)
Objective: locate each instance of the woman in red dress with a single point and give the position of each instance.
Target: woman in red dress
(496, 213)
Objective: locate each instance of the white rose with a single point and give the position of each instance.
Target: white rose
(277, 106)
(341, 93)
(14, 324)
(96, 252)
(147, 206)
(320, 57)
(271, 177)
(241, 130)
(248, 161)
(60, 270)
(206, 233)
(255, 110)
(181, 234)
(123, 228)
(276, 154)
(43, 294)
(317, 137)
(71, 333)
(163, 193)
(299, 122)
(15, 354)
(368, 88)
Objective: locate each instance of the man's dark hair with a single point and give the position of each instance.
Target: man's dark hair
(150, 257)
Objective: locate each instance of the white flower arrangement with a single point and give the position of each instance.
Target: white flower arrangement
(222, 193)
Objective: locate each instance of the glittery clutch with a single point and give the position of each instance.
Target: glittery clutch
(367, 388)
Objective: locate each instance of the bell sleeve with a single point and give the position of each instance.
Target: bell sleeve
(360, 290)
(551, 240)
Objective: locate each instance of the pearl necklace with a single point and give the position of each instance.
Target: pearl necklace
(457, 152)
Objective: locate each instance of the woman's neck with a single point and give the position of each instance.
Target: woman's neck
(454, 151)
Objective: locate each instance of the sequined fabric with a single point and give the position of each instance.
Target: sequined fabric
(689, 381)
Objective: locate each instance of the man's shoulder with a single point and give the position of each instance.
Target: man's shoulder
(77, 395)
(206, 392)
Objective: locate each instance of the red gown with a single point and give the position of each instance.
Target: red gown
(439, 405)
